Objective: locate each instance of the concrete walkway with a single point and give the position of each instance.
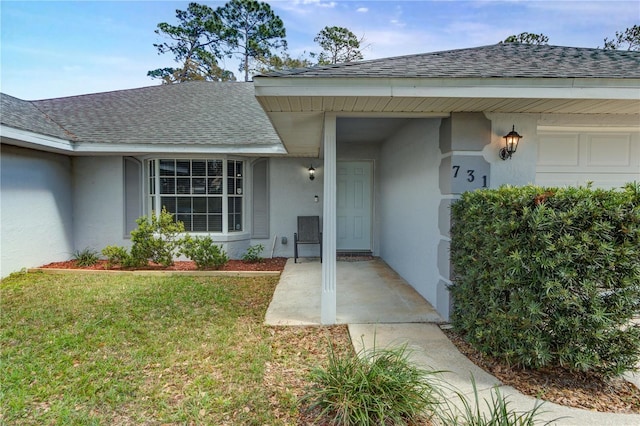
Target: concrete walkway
(382, 310)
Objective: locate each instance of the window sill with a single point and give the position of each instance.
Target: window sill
(223, 238)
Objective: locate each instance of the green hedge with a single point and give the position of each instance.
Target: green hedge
(549, 276)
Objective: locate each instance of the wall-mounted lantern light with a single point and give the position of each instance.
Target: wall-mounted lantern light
(510, 144)
(312, 173)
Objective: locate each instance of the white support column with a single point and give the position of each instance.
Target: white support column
(328, 299)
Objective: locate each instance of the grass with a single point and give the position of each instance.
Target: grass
(102, 349)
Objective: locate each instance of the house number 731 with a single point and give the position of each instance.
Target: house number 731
(470, 175)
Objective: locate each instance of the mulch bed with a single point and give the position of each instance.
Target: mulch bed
(272, 264)
(579, 390)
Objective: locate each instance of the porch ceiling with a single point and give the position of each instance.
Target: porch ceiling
(296, 107)
(299, 120)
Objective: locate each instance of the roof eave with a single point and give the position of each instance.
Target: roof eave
(547, 88)
(32, 140)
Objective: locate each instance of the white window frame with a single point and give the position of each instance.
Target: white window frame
(153, 202)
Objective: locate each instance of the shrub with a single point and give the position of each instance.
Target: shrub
(115, 255)
(86, 257)
(253, 254)
(549, 276)
(155, 240)
(204, 252)
(374, 387)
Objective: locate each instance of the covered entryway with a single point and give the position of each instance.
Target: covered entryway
(370, 292)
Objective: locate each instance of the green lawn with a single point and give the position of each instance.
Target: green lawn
(105, 349)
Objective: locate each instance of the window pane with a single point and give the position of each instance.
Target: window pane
(152, 185)
(215, 223)
(198, 168)
(183, 168)
(235, 205)
(184, 186)
(214, 167)
(239, 186)
(199, 205)
(235, 222)
(215, 205)
(167, 168)
(152, 168)
(186, 219)
(215, 186)
(184, 204)
(238, 168)
(167, 185)
(231, 186)
(199, 186)
(169, 203)
(199, 223)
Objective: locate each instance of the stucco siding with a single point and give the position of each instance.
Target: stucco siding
(410, 197)
(292, 195)
(35, 208)
(521, 168)
(98, 202)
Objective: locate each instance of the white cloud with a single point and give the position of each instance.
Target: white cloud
(362, 9)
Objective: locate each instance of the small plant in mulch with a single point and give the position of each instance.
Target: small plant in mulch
(204, 252)
(254, 254)
(85, 257)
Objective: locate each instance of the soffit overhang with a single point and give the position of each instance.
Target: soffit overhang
(296, 106)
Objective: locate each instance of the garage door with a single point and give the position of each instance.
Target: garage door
(575, 156)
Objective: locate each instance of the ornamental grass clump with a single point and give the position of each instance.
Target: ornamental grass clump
(496, 411)
(86, 257)
(372, 387)
(549, 276)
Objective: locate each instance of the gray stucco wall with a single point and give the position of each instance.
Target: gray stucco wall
(35, 208)
(292, 195)
(521, 168)
(98, 202)
(410, 198)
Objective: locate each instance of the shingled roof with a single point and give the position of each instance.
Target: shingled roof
(24, 115)
(504, 60)
(195, 113)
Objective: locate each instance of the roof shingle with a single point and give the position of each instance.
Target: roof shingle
(503, 60)
(24, 115)
(205, 113)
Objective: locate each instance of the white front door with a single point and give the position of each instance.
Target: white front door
(354, 182)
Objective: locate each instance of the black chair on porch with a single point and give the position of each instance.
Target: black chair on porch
(308, 233)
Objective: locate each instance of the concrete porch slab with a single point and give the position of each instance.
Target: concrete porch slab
(367, 292)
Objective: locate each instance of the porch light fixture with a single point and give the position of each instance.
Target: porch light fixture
(312, 172)
(510, 144)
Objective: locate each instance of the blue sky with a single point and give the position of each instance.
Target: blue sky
(54, 49)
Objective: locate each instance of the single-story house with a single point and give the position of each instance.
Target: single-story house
(392, 141)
